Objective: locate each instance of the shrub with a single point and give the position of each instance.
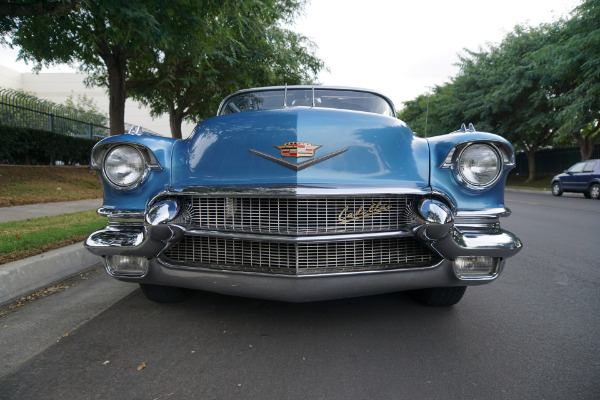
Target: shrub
(32, 146)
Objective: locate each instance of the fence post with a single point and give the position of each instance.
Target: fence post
(51, 122)
(90, 131)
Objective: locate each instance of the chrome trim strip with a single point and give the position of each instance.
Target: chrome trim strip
(167, 264)
(298, 239)
(289, 191)
(120, 214)
(507, 154)
(100, 150)
(491, 213)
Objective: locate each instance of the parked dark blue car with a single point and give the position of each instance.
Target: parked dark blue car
(583, 177)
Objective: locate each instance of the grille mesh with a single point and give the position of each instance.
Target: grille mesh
(298, 216)
(300, 258)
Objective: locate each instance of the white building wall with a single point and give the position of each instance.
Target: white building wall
(57, 87)
(10, 79)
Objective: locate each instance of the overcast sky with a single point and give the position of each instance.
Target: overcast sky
(399, 47)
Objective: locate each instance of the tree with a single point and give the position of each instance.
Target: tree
(572, 65)
(84, 104)
(11, 11)
(510, 94)
(213, 51)
(499, 89)
(27, 8)
(157, 47)
(434, 113)
(102, 36)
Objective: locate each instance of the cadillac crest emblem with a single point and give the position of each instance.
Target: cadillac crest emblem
(297, 149)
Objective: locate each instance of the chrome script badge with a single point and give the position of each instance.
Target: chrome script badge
(345, 216)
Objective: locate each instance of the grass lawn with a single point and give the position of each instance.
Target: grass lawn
(24, 184)
(21, 239)
(518, 182)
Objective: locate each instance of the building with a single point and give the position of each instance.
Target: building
(57, 87)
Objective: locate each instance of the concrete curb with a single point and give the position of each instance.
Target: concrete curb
(25, 276)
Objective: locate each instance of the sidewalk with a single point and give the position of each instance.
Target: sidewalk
(19, 213)
(21, 277)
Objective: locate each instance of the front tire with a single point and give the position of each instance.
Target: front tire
(595, 191)
(165, 294)
(556, 189)
(439, 297)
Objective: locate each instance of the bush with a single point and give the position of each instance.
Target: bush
(32, 146)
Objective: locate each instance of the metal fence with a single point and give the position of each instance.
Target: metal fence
(551, 161)
(23, 110)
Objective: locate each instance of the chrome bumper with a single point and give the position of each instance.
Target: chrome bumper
(451, 235)
(305, 288)
(448, 241)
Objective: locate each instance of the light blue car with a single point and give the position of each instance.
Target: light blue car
(305, 193)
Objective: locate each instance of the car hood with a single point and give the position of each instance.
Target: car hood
(240, 150)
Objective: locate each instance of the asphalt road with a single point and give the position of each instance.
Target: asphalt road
(533, 334)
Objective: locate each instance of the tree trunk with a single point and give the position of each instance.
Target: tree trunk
(175, 120)
(117, 96)
(531, 163)
(586, 145)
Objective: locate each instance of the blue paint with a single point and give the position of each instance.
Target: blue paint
(382, 152)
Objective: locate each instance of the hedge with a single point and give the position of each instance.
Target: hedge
(37, 147)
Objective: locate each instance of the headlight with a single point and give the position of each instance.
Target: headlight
(124, 166)
(479, 165)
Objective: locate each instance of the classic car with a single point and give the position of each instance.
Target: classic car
(583, 177)
(305, 193)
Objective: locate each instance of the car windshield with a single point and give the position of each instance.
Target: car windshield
(576, 168)
(323, 98)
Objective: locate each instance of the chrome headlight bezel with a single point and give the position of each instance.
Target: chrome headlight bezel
(471, 183)
(141, 173)
(102, 150)
(504, 155)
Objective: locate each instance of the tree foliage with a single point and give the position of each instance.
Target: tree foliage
(572, 64)
(175, 55)
(11, 11)
(540, 86)
(239, 45)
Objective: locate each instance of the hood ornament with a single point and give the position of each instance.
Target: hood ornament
(297, 149)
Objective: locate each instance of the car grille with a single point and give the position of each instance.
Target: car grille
(298, 215)
(299, 258)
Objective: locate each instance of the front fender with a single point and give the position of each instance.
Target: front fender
(445, 180)
(158, 177)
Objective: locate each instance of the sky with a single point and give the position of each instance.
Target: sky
(397, 47)
(403, 48)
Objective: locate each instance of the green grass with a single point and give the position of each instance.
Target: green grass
(26, 238)
(23, 184)
(518, 182)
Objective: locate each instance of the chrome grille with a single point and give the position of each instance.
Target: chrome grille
(299, 258)
(298, 215)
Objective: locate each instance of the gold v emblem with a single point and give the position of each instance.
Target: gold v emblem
(297, 166)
